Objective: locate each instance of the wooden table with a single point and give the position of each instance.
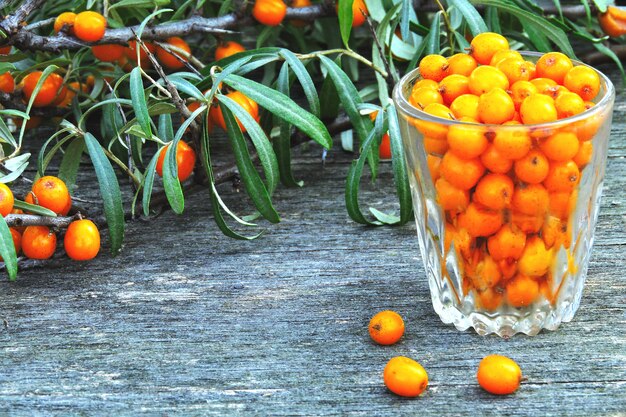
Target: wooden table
(188, 322)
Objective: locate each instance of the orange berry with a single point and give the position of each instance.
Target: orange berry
(490, 299)
(433, 129)
(108, 52)
(538, 108)
(562, 203)
(227, 49)
(51, 192)
(359, 13)
(467, 141)
(555, 91)
(485, 78)
(507, 243)
(536, 259)
(484, 274)
(555, 233)
(451, 198)
(543, 84)
(6, 200)
(82, 240)
(498, 375)
(513, 143)
(495, 107)
(65, 19)
(496, 161)
(462, 64)
(516, 69)
(485, 45)
(7, 83)
(434, 146)
(520, 90)
(170, 60)
(452, 86)
(269, 12)
(462, 173)
(433, 67)
(562, 176)
(568, 104)
(583, 81)
(532, 168)
(185, 159)
(17, 240)
(587, 128)
(423, 96)
(479, 221)
(249, 105)
(384, 150)
(553, 65)
(89, 26)
(432, 84)
(48, 91)
(386, 327)
(405, 377)
(5, 50)
(504, 54)
(527, 223)
(521, 291)
(560, 147)
(494, 191)
(531, 199)
(38, 242)
(465, 105)
(584, 154)
(433, 163)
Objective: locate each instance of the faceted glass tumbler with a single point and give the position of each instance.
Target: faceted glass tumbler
(519, 268)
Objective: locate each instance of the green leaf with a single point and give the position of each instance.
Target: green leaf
(259, 139)
(400, 174)
(474, 20)
(165, 128)
(7, 250)
(283, 107)
(33, 209)
(611, 54)
(171, 183)
(148, 182)
(433, 45)
(71, 162)
(138, 98)
(329, 100)
(602, 4)
(110, 192)
(405, 16)
(344, 13)
(137, 4)
(185, 86)
(249, 176)
(298, 68)
(493, 20)
(282, 144)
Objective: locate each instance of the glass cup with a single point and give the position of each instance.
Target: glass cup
(505, 246)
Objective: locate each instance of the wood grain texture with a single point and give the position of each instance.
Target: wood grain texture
(187, 322)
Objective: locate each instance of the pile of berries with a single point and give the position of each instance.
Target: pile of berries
(506, 182)
(82, 238)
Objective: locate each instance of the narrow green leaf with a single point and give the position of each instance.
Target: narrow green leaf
(7, 250)
(283, 107)
(310, 91)
(474, 20)
(400, 174)
(33, 209)
(344, 13)
(611, 54)
(110, 192)
(329, 100)
(384, 218)
(405, 16)
(433, 45)
(282, 144)
(138, 98)
(71, 162)
(185, 86)
(148, 182)
(165, 128)
(493, 20)
(171, 183)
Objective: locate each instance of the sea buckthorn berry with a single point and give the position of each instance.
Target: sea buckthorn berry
(561, 146)
(463, 242)
(495, 107)
(405, 377)
(584, 154)
(433, 163)
(467, 141)
(485, 274)
(451, 198)
(432, 84)
(494, 191)
(553, 65)
(227, 49)
(7, 83)
(169, 59)
(5, 50)
(499, 375)
(562, 203)
(527, 223)
(532, 199)
(513, 143)
(485, 45)
(108, 52)
(386, 327)
(516, 69)
(452, 87)
(6, 200)
(433, 67)
(82, 240)
(485, 78)
(536, 259)
(555, 91)
(490, 299)
(520, 90)
(51, 192)
(583, 81)
(65, 19)
(569, 104)
(462, 64)
(480, 221)
(269, 12)
(185, 159)
(48, 91)
(384, 150)
(543, 84)
(562, 176)
(89, 26)
(555, 233)
(423, 96)
(17, 240)
(538, 108)
(433, 129)
(587, 128)
(38, 242)
(359, 13)
(504, 54)
(249, 105)
(462, 173)
(465, 105)
(507, 243)
(434, 146)
(521, 291)
(496, 161)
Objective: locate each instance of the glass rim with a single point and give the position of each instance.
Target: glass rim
(403, 104)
